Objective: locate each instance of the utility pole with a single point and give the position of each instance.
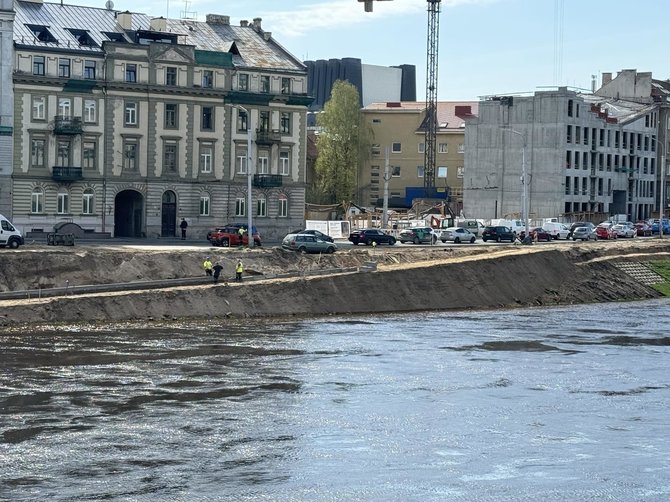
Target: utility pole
(387, 177)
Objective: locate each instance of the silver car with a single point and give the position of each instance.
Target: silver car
(457, 235)
(584, 234)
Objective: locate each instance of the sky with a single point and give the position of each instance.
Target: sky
(486, 47)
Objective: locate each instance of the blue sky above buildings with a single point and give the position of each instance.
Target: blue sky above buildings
(486, 46)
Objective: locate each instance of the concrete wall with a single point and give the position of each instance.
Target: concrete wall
(380, 83)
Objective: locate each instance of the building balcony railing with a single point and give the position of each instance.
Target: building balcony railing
(67, 125)
(66, 173)
(265, 137)
(267, 180)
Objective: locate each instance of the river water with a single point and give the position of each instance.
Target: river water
(544, 404)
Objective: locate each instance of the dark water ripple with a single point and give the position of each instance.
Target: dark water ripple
(563, 404)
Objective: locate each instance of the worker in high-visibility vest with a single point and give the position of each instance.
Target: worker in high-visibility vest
(238, 271)
(207, 265)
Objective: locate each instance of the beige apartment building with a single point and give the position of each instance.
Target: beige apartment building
(398, 135)
(124, 124)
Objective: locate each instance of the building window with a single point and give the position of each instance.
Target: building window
(170, 156)
(207, 118)
(90, 115)
(130, 151)
(569, 134)
(459, 172)
(285, 85)
(204, 205)
(284, 163)
(570, 105)
(37, 201)
(87, 201)
(263, 166)
(242, 121)
(130, 115)
(285, 122)
(461, 148)
(208, 79)
(206, 154)
(243, 82)
(395, 171)
(420, 170)
(171, 75)
(38, 65)
(442, 148)
(64, 108)
(265, 84)
(242, 162)
(37, 152)
(442, 172)
(89, 69)
(131, 72)
(63, 149)
(64, 67)
(421, 148)
(170, 116)
(63, 203)
(283, 206)
(264, 121)
(89, 148)
(240, 206)
(396, 147)
(261, 206)
(39, 107)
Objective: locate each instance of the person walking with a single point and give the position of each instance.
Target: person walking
(183, 225)
(217, 268)
(207, 265)
(238, 271)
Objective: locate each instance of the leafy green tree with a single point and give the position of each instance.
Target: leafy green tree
(343, 143)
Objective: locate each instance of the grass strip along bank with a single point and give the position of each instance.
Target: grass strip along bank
(662, 268)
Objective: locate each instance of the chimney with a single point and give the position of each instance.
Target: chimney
(607, 78)
(257, 23)
(244, 23)
(267, 35)
(158, 24)
(463, 110)
(218, 19)
(125, 20)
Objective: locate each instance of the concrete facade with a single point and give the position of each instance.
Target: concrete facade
(141, 124)
(586, 157)
(6, 104)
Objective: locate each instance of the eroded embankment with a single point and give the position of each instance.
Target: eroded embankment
(549, 277)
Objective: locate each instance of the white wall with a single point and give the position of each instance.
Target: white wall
(380, 83)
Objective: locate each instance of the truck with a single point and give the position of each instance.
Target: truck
(9, 235)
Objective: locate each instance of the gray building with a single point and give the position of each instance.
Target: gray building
(125, 124)
(586, 157)
(6, 104)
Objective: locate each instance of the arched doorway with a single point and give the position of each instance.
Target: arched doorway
(169, 214)
(128, 211)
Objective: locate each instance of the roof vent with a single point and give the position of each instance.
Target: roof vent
(267, 35)
(217, 19)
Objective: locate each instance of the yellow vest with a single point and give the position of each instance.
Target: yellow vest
(239, 269)
(207, 264)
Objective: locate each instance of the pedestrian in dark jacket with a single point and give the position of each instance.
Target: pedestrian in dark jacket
(217, 268)
(183, 225)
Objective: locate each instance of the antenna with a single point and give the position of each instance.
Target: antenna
(109, 5)
(188, 14)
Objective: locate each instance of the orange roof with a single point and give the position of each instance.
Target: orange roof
(450, 114)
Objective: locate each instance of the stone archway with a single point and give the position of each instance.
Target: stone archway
(128, 214)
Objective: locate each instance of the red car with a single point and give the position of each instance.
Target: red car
(540, 234)
(604, 231)
(643, 230)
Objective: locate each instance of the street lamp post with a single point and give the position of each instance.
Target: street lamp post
(524, 202)
(661, 195)
(250, 232)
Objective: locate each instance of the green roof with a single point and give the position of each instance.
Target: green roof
(77, 85)
(213, 58)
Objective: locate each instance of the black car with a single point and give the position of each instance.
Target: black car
(369, 235)
(315, 233)
(498, 234)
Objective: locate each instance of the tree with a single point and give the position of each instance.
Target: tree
(342, 145)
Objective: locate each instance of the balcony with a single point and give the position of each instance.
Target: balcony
(66, 173)
(265, 137)
(267, 180)
(67, 125)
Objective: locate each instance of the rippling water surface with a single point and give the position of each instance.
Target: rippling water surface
(538, 404)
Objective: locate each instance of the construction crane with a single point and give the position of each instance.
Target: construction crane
(430, 131)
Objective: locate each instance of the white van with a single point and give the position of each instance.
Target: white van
(475, 226)
(9, 236)
(557, 230)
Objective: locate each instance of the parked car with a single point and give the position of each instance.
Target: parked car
(655, 226)
(584, 233)
(457, 235)
(369, 235)
(230, 236)
(540, 234)
(557, 230)
(642, 229)
(308, 243)
(418, 235)
(577, 224)
(623, 230)
(605, 231)
(496, 233)
(316, 233)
